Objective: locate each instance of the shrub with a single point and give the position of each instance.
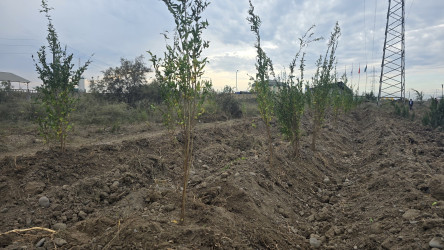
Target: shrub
(323, 79)
(18, 107)
(435, 116)
(229, 105)
(370, 97)
(349, 101)
(57, 91)
(290, 98)
(342, 97)
(400, 109)
(91, 110)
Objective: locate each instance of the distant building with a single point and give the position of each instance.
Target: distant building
(273, 84)
(343, 86)
(81, 85)
(10, 78)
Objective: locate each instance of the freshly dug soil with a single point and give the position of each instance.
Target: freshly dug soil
(376, 181)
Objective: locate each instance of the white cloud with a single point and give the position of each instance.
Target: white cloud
(127, 28)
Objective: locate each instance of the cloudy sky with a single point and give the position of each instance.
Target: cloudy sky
(114, 29)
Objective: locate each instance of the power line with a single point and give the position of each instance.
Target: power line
(13, 53)
(18, 45)
(373, 45)
(365, 48)
(92, 59)
(365, 34)
(4, 38)
(409, 9)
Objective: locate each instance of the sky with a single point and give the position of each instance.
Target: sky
(107, 30)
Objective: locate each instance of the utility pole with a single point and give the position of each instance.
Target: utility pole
(236, 79)
(392, 80)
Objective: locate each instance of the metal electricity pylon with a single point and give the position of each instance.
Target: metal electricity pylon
(392, 80)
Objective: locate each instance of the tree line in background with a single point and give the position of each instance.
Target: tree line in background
(127, 83)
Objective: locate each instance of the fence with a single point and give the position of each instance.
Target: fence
(20, 90)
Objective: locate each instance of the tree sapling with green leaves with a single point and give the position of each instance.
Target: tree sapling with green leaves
(342, 97)
(290, 98)
(323, 79)
(261, 86)
(57, 91)
(180, 75)
(435, 116)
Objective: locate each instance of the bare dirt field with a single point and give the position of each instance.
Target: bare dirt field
(376, 181)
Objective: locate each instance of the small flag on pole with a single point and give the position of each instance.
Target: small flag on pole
(365, 70)
(359, 70)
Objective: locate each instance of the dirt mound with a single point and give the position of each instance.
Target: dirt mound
(375, 182)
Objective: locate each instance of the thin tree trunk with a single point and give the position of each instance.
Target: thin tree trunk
(313, 138)
(188, 154)
(62, 141)
(270, 144)
(296, 147)
(186, 160)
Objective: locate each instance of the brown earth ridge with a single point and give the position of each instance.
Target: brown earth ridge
(375, 182)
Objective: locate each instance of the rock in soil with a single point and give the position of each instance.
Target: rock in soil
(436, 242)
(44, 201)
(34, 187)
(60, 242)
(437, 187)
(169, 208)
(411, 214)
(40, 242)
(114, 186)
(82, 215)
(314, 241)
(59, 226)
